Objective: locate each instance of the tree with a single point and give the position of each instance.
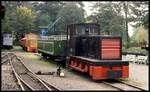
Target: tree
(125, 8)
(70, 13)
(15, 20)
(141, 36)
(50, 8)
(46, 12)
(8, 22)
(43, 20)
(24, 20)
(140, 13)
(119, 15)
(109, 18)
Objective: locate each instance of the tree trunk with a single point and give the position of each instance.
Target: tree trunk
(126, 22)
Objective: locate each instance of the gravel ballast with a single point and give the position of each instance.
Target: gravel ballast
(73, 80)
(76, 81)
(8, 81)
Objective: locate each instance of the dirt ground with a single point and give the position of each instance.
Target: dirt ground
(8, 81)
(138, 74)
(72, 80)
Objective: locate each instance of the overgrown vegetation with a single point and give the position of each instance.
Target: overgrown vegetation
(137, 50)
(141, 36)
(22, 17)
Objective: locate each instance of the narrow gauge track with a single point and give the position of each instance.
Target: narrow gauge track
(5, 58)
(2, 54)
(122, 86)
(28, 80)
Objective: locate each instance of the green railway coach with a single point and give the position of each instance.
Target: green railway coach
(53, 46)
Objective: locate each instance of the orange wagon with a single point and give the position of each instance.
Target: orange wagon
(29, 42)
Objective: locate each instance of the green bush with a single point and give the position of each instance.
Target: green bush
(137, 50)
(123, 49)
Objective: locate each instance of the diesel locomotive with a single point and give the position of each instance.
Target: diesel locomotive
(85, 50)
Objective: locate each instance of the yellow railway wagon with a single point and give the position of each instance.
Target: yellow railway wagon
(29, 42)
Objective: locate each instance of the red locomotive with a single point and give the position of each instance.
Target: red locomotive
(97, 55)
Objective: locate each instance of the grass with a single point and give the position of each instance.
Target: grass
(48, 62)
(39, 59)
(15, 48)
(32, 56)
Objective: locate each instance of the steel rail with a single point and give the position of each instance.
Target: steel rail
(121, 89)
(17, 77)
(3, 55)
(32, 74)
(4, 59)
(43, 81)
(132, 85)
(29, 86)
(52, 86)
(113, 86)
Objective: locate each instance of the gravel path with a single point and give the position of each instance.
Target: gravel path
(77, 81)
(71, 81)
(8, 81)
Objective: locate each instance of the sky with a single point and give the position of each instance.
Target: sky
(87, 8)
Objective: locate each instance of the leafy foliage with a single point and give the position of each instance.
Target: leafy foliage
(43, 20)
(137, 50)
(24, 20)
(48, 8)
(141, 36)
(70, 14)
(115, 16)
(141, 13)
(22, 17)
(109, 17)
